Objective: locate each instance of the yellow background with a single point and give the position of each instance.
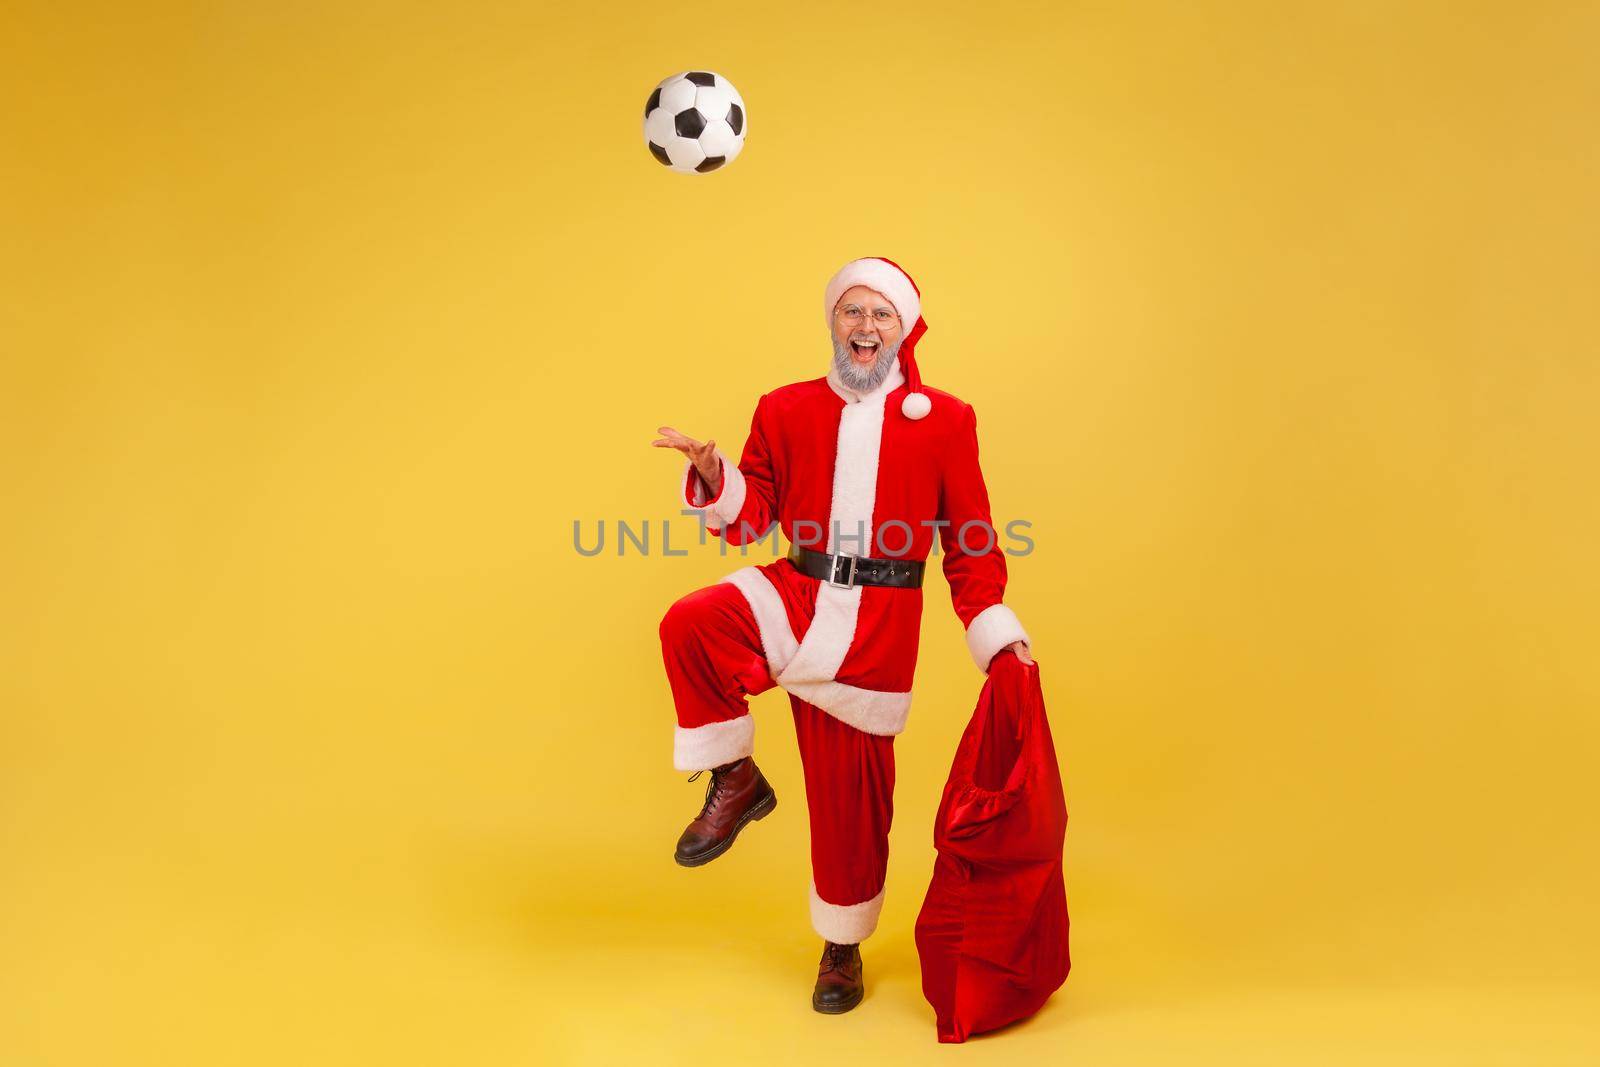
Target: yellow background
(322, 323)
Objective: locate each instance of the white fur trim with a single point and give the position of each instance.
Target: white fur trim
(916, 406)
(833, 628)
(871, 711)
(880, 276)
(725, 511)
(855, 476)
(700, 748)
(777, 638)
(807, 668)
(995, 627)
(845, 924)
(855, 491)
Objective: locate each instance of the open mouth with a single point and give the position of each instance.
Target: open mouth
(864, 351)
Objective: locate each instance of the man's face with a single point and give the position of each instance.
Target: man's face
(866, 328)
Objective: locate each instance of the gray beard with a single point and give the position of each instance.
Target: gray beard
(850, 374)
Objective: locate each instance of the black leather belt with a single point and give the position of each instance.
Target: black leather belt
(846, 571)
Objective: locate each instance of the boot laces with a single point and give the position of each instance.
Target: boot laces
(834, 957)
(714, 787)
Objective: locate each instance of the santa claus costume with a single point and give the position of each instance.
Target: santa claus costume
(870, 475)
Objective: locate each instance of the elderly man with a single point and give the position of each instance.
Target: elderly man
(859, 468)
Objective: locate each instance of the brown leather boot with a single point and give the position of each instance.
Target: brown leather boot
(839, 981)
(737, 794)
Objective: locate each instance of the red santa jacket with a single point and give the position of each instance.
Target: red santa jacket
(828, 464)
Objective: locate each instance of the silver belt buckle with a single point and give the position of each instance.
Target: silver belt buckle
(833, 572)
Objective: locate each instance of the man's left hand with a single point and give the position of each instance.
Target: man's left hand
(1021, 649)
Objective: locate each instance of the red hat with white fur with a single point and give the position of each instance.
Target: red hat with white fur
(886, 277)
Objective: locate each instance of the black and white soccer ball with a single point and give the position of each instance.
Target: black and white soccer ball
(695, 122)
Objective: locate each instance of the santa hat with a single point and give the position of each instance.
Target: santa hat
(886, 277)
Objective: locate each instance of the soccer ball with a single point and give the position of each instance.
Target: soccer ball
(694, 122)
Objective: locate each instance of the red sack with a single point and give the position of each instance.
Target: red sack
(992, 933)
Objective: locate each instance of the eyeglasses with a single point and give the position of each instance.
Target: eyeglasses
(852, 315)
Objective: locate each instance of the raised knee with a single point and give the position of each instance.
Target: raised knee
(682, 617)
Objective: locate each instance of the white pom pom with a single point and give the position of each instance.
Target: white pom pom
(916, 405)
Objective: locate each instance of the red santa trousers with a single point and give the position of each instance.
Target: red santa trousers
(714, 660)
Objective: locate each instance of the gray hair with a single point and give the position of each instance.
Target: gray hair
(851, 376)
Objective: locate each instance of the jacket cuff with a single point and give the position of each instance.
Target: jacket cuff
(723, 509)
(992, 629)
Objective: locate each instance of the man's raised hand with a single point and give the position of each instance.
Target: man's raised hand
(703, 456)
